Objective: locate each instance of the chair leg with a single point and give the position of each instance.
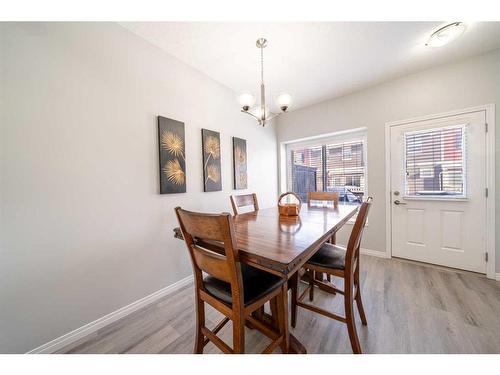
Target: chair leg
(311, 284)
(200, 322)
(349, 314)
(239, 335)
(273, 304)
(294, 281)
(333, 240)
(259, 313)
(359, 303)
(282, 305)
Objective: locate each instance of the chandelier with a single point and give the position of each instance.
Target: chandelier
(261, 112)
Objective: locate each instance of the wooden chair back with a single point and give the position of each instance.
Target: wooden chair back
(200, 227)
(245, 200)
(323, 196)
(352, 253)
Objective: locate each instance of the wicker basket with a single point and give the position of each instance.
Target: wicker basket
(289, 209)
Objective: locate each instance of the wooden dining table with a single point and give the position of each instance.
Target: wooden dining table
(282, 244)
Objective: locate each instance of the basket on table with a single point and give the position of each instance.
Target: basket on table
(289, 209)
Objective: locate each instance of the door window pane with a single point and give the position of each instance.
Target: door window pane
(435, 162)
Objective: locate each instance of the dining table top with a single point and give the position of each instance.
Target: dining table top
(282, 244)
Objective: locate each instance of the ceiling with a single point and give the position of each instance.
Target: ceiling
(312, 61)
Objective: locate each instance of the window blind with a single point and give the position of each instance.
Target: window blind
(435, 162)
(333, 164)
(345, 166)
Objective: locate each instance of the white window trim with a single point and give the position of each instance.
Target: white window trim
(341, 136)
(336, 137)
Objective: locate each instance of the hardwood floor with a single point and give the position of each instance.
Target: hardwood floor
(410, 308)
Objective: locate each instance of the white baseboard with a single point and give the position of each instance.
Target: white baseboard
(71, 337)
(375, 253)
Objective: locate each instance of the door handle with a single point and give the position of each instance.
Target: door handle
(396, 202)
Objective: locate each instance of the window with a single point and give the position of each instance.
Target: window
(333, 163)
(435, 162)
(307, 169)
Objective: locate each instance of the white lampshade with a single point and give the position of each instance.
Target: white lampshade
(446, 34)
(246, 100)
(284, 101)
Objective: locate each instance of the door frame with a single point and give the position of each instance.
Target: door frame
(490, 177)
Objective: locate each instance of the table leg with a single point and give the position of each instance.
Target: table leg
(282, 318)
(257, 314)
(294, 345)
(274, 312)
(318, 276)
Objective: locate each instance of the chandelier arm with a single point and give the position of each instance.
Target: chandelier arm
(251, 114)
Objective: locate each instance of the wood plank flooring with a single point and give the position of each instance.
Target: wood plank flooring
(410, 308)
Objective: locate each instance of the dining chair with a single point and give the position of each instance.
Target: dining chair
(341, 262)
(323, 196)
(233, 288)
(245, 200)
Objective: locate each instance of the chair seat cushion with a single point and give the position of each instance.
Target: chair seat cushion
(256, 283)
(329, 256)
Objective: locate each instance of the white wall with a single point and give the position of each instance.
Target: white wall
(467, 83)
(83, 228)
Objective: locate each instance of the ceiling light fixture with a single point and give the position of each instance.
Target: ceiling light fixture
(261, 112)
(446, 34)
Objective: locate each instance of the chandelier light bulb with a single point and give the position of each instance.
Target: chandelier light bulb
(246, 101)
(284, 101)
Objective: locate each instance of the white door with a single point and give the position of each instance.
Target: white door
(438, 191)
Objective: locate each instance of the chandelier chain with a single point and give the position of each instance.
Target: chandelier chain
(261, 64)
